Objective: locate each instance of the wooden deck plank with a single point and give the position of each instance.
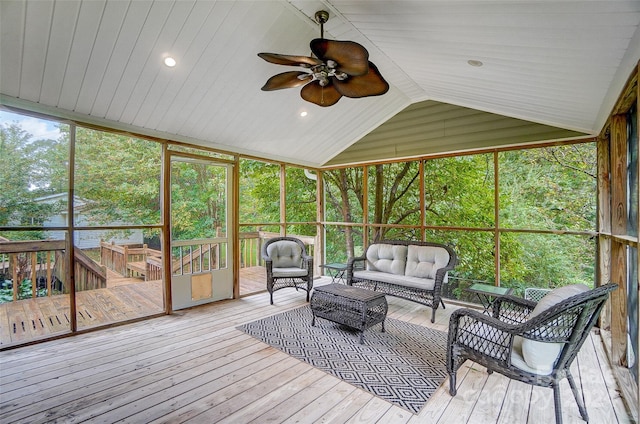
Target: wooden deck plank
(395, 415)
(371, 412)
(253, 280)
(123, 299)
(109, 355)
(220, 398)
(347, 408)
(491, 398)
(284, 401)
(469, 389)
(314, 409)
(515, 406)
(127, 397)
(134, 382)
(50, 316)
(5, 332)
(613, 392)
(541, 408)
(197, 366)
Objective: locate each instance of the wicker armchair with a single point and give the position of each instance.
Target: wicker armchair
(287, 264)
(525, 343)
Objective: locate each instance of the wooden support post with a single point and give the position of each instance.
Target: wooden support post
(283, 200)
(496, 217)
(619, 249)
(319, 252)
(604, 225)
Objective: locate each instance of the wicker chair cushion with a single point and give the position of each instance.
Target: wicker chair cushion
(387, 258)
(424, 261)
(400, 280)
(541, 356)
(289, 272)
(285, 254)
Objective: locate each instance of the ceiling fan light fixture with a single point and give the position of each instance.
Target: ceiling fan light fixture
(341, 67)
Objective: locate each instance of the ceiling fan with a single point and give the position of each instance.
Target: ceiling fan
(336, 69)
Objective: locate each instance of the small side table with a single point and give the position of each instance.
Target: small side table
(354, 307)
(335, 270)
(488, 294)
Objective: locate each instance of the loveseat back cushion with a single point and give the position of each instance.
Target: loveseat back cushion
(425, 261)
(390, 258)
(541, 355)
(285, 254)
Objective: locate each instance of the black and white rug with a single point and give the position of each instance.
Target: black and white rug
(404, 365)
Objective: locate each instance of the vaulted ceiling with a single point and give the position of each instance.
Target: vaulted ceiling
(551, 68)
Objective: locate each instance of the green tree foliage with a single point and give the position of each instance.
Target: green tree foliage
(549, 188)
(259, 192)
(300, 196)
(459, 191)
(394, 197)
(198, 208)
(344, 203)
(119, 177)
(30, 169)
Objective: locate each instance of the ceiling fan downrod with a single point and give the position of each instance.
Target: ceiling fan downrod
(322, 16)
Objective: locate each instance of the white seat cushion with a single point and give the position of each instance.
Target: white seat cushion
(289, 272)
(541, 356)
(400, 280)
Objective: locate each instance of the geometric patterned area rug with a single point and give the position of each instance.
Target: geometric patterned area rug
(404, 365)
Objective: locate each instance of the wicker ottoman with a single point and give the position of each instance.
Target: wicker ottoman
(354, 307)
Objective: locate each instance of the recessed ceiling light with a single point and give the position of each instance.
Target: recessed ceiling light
(303, 114)
(475, 63)
(169, 61)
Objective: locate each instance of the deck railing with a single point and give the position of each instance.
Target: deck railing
(130, 261)
(37, 268)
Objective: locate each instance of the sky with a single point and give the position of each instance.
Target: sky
(38, 128)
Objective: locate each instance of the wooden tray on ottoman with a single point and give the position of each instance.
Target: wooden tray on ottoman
(354, 307)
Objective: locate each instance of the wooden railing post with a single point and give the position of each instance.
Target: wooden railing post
(14, 274)
(49, 276)
(34, 277)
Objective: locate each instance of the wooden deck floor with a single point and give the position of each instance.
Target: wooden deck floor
(123, 299)
(195, 366)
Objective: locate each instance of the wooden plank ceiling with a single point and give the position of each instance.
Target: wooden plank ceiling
(556, 63)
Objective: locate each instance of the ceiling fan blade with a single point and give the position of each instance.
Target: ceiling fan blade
(351, 57)
(283, 59)
(322, 96)
(371, 84)
(286, 80)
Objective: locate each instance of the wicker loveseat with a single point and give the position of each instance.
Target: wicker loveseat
(411, 270)
(533, 342)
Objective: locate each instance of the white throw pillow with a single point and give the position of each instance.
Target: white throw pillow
(540, 355)
(390, 258)
(425, 261)
(285, 254)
